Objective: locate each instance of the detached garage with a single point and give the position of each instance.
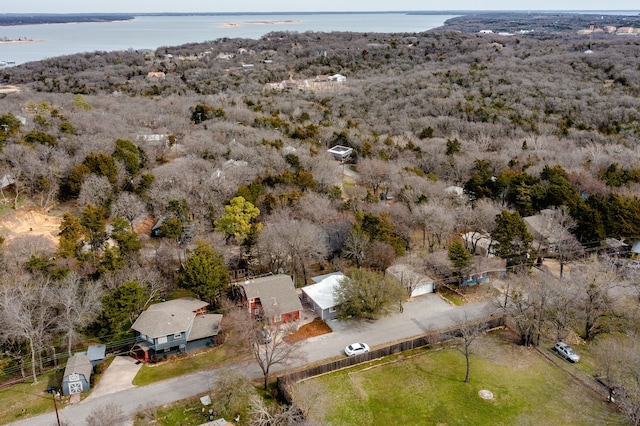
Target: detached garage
(414, 282)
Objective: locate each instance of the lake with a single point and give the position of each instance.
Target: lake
(151, 32)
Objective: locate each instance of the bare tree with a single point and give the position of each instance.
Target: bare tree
(95, 190)
(295, 241)
(479, 220)
(276, 352)
(375, 175)
(467, 332)
(619, 361)
(595, 305)
(404, 270)
(525, 304)
(606, 354)
(231, 392)
(310, 400)
(267, 343)
(561, 308)
(107, 415)
(556, 231)
(129, 206)
(78, 304)
(435, 221)
(356, 246)
(261, 414)
(28, 315)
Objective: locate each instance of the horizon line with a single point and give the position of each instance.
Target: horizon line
(326, 11)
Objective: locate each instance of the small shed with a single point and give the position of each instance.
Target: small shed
(77, 375)
(96, 354)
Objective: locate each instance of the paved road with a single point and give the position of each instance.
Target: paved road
(424, 314)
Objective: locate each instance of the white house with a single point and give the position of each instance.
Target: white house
(414, 282)
(337, 77)
(320, 295)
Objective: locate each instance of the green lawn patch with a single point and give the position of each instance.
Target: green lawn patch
(185, 364)
(27, 399)
(428, 388)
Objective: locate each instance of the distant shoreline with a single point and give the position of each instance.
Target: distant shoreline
(278, 22)
(20, 41)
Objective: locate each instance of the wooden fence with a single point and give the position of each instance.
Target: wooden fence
(417, 342)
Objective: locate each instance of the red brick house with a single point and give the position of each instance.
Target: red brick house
(272, 298)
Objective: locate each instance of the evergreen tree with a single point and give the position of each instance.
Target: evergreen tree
(238, 219)
(513, 240)
(204, 273)
(460, 257)
(71, 234)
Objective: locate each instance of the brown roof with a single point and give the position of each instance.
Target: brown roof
(277, 294)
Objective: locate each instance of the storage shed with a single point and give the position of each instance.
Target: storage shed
(77, 375)
(96, 354)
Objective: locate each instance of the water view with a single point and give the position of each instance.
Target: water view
(150, 32)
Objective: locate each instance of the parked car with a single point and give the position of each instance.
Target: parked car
(356, 349)
(566, 352)
(264, 336)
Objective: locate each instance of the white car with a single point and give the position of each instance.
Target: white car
(356, 349)
(566, 352)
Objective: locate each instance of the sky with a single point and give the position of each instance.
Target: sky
(150, 6)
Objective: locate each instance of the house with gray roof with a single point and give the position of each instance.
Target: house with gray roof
(174, 327)
(77, 375)
(6, 181)
(272, 298)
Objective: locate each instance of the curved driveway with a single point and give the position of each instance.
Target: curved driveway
(421, 315)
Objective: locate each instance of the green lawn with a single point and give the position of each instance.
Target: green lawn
(189, 363)
(27, 399)
(428, 388)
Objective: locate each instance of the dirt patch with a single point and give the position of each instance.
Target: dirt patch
(478, 293)
(22, 223)
(502, 347)
(314, 328)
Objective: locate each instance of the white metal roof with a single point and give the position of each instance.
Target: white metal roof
(322, 293)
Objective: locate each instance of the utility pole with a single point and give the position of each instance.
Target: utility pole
(55, 406)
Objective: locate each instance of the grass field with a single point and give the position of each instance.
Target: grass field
(28, 399)
(428, 388)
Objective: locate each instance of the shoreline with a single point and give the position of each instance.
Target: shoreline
(278, 22)
(20, 41)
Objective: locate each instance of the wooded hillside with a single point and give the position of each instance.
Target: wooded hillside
(226, 141)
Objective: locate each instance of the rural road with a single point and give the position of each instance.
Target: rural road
(425, 313)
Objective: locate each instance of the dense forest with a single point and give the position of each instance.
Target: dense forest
(226, 141)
